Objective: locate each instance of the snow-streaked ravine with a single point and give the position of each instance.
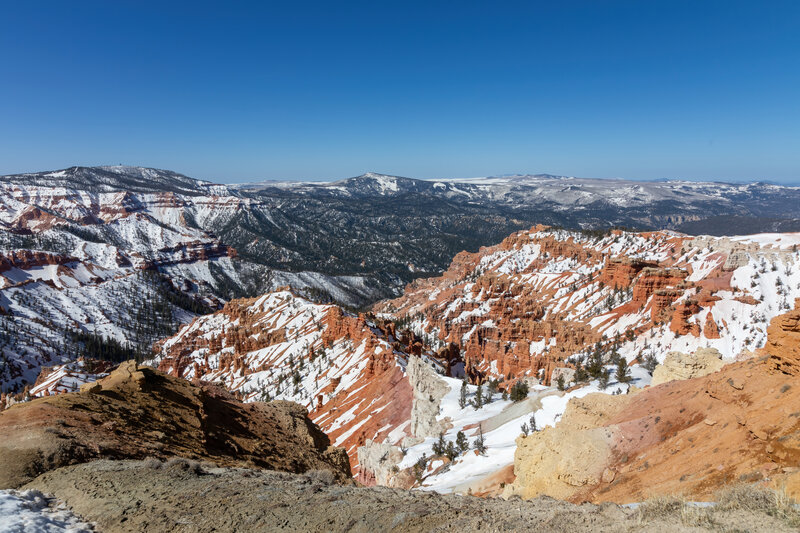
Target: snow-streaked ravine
(502, 420)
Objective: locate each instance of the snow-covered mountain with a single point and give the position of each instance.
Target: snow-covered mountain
(585, 202)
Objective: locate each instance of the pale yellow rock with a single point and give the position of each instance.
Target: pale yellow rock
(558, 461)
(678, 365)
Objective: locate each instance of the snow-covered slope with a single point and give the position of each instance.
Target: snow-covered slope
(33, 512)
(118, 270)
(347, 370)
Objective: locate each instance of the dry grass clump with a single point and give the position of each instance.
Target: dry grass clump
(659, 507)
(184, 465)
(673, 508)
(321, 477)
(755, 499)
(152, 463)
(742, 497)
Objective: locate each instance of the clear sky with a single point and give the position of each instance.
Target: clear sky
(235, 91)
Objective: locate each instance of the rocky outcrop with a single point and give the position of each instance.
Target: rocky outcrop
(559, 460)
(783, 344)
(138, 412)
(428, 390)
(378, 465)
(653, 279)
(710, 328)
(679, 365)
(619, 272)
(25, 259)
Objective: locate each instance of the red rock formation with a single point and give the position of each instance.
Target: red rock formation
(783, 345)
(710, 329)
(653, 279)
(680, 324)
(25, 259)
(619, 272)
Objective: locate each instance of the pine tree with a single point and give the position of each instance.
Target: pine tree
(462, 399)
(480, 444)
(560, 382)
(439, 446)
(532, 422)
(650, 363)
(451, 451)
(605, 376)
(525, 429)
(623, 373)
(461, 442)
(519, 391)
(419, 468)
(477, 403)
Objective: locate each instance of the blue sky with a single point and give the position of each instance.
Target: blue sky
(235, 91)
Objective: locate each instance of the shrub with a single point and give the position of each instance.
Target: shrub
(184, 465)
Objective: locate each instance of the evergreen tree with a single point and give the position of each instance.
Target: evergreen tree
(477, 403)
(462, 399)
(623, 373)
(519, 391)
(440, 445)
(650, 363)
(419, 468)
(480, 444)
(525, 429)
(451, 451)
(461, 442)
(604, 377)
(560, 382)
(532, 422)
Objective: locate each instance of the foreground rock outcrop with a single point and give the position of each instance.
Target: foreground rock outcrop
(687, 437)
(128, 496)
(139, 412)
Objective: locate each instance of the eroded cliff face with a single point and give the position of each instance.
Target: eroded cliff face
(525, 306)
(690, 437)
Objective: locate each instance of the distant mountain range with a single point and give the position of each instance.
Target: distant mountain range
(73, 240)
(376, 232)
